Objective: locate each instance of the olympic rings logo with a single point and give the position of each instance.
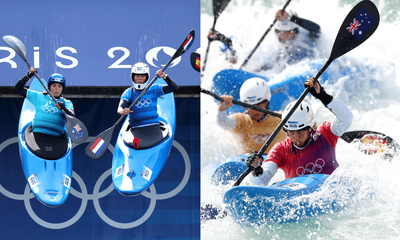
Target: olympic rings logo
(259, 138)
(151, 194)
(143, 103)
(311, 168)
(49, 109)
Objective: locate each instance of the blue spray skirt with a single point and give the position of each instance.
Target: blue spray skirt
(133, 171)
(49, 180)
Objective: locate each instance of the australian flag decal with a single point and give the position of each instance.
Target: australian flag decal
(77, 132)
(360, 24)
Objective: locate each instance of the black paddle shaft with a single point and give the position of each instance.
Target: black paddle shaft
(345, 41)
(264, 110)
(263, 36)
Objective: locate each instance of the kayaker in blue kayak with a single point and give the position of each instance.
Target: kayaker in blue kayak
(251, 128)
(226, 44)
(49, 119)
(307, 150)
(297, 37)
(143, 118)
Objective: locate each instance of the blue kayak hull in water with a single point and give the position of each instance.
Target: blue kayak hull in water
(49, 180)
(287, 201)
(288, 85)
(133, 171)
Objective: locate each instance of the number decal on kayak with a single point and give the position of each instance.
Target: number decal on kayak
(146, 173)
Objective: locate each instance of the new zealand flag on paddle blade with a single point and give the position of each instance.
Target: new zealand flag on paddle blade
(360, 24)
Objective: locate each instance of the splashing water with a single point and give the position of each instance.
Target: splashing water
(371, 91)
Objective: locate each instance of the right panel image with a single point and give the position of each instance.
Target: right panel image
(298, 106)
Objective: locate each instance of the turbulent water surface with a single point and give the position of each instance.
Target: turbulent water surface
(371, 91)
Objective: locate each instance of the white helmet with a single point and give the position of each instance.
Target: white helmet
(285, 25)
(254, 91)
(302, 117)
(140, 69)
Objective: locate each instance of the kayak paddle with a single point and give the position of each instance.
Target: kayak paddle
(218, 7)
(195, 61)
(262, 38)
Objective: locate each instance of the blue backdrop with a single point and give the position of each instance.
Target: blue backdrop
(94, 209)
(95, 43)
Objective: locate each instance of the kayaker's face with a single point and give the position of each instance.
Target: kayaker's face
(286, 35)
(140, 78)
(257, 115)
(56, 89)
(300, 137)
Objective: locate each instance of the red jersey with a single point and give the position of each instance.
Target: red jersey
(317, 157)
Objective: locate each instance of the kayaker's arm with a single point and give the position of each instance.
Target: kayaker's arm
(313, 28)
(171, 87)
(344, 116)
(20, 86)
(269, 170)
(225, 122)
(68, 111)
(123, 103)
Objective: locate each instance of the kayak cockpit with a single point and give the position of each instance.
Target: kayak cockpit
(46, 146)
(145, 137)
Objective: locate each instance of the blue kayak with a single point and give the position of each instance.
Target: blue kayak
(285, 201)
(46, 160)
(288, 85)
(138, 157)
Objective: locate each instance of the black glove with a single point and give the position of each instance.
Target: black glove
(257, 170)
(220, 37)
(322, 95)
(62, 105)
(30, 74)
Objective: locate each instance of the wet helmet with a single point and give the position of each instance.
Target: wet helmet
(301, 118)
(255, 91)
(56, 78)
(285, 26)
(140, 68)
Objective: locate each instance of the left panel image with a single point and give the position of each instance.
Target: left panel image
(101, 120)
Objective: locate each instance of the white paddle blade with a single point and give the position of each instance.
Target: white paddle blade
(16, 45)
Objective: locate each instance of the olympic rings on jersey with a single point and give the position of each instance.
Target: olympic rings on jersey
(151, 194)
(259, 138)
(311, 168)
(50, 109)
(143, 103)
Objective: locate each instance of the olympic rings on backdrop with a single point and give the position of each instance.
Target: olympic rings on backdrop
(84, 196)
